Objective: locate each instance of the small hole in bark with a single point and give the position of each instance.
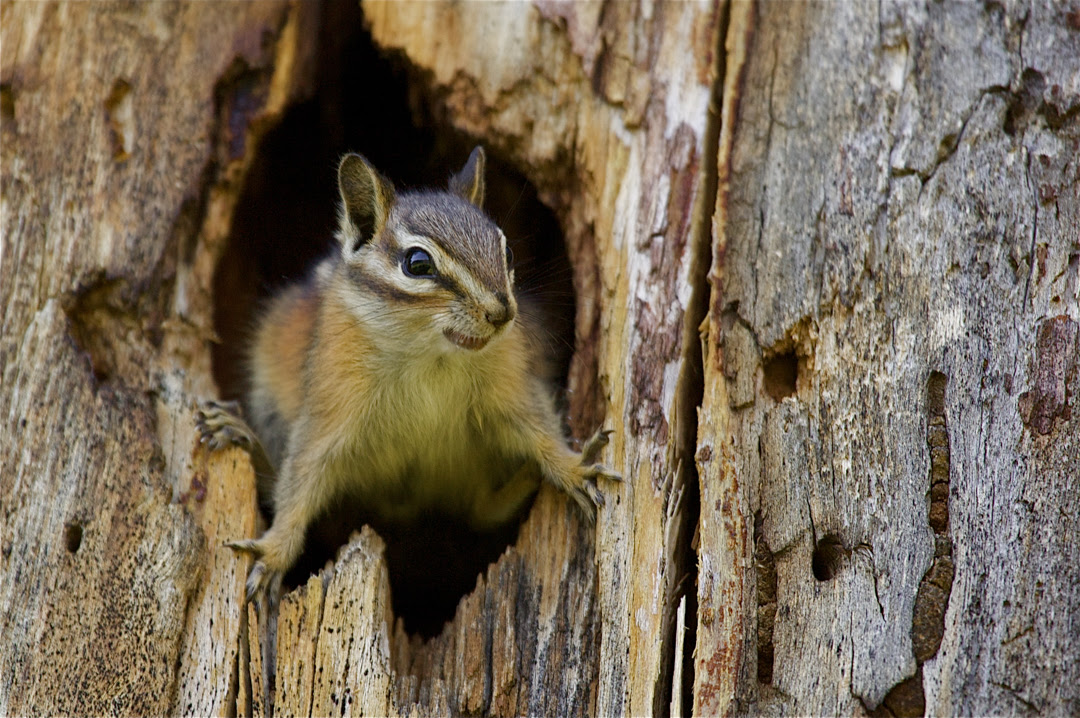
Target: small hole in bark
(7, 103)
(827, 557)
(73, 536)
(118, 114)
(284, 223)
(781, 374)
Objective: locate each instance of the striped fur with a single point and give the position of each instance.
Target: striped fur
(407, 393)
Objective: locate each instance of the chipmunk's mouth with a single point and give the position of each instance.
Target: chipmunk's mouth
(465, 341)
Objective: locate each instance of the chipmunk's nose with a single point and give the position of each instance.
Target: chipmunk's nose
(501, 316)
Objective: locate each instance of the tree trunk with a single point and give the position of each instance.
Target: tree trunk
(826, 260)
(894, 312)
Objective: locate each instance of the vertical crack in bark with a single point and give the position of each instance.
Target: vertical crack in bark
(1032, 259)
(234, 682)
(1034, 235)
(691, 389)
(243, 669)
(908, 698)
(765, 568)
(489, 639)
(325, 577)
(764, 192)
(174, 688)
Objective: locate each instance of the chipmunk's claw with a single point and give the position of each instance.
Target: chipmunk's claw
(595, 496)
(262, 582)
(250, 546)
(583, 489)
(590, 451)
(599, 471)
(585, 496)
(219, 426)
(588, 495)
(256, 581)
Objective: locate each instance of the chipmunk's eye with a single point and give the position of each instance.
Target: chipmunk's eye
(418, 263)
(509, 257)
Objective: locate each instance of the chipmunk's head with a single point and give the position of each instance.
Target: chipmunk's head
(431, 262)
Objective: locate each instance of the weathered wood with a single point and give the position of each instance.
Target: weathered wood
(887, 453)
(140, 309)
(123, 148)
(897, 223)
(604, 108)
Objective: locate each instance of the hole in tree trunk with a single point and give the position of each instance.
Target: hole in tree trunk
(828, 557)
(781, 374)
(284, 223)
(73, 533)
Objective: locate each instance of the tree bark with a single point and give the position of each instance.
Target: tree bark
(119, 169)
(894, 297)
(826, 263)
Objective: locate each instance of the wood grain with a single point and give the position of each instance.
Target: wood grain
(897, 220)
(118, 177)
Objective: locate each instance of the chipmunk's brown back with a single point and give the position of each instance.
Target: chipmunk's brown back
(276, 364)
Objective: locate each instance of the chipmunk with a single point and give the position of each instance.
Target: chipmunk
(400, 375)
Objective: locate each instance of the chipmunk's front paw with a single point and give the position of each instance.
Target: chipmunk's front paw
(588, 494)
(220, 425)
(263, 581)
(576, 474)
(585, 490)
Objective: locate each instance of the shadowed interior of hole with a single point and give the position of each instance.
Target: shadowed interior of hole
(781, 374)
(827, 556)
(284, 223)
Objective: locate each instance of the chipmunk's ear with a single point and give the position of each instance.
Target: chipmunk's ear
(469, 182)
(366, 198)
